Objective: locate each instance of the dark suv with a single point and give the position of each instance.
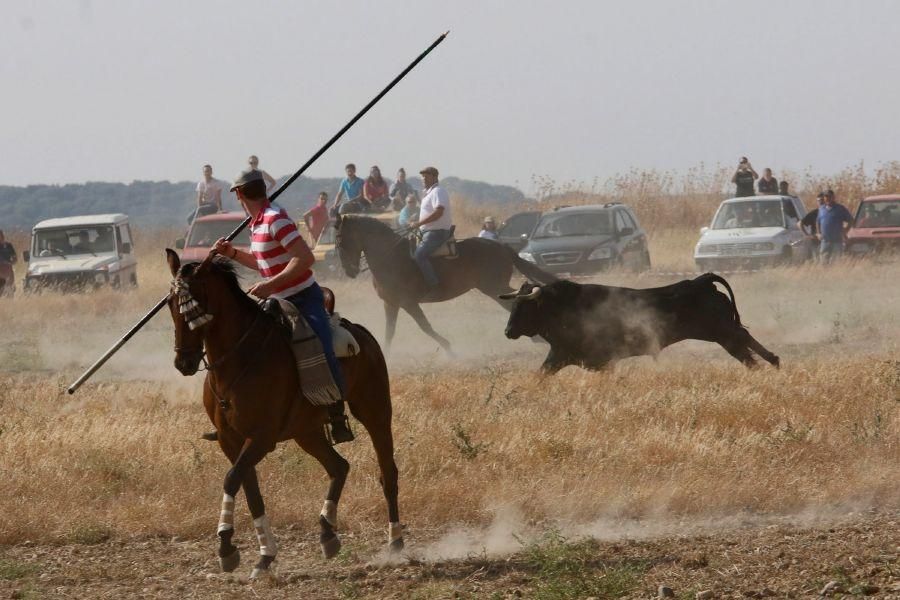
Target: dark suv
(587, 239)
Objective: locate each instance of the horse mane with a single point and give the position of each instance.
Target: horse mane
(226, 269)
(368, 225)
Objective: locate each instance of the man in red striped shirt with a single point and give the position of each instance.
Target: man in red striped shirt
(279, 253)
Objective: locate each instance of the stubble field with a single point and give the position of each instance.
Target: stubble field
(688, 470)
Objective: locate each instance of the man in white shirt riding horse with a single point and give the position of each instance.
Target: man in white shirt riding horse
(434, 221)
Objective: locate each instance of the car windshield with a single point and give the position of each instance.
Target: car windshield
(70, 241)
(205, 233)
(573, 224)
(749, 213)
(884, 213)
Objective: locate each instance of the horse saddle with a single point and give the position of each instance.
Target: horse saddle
(446, 250)
(345, 345)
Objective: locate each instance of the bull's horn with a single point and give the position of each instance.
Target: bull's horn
(535, 292)
(508, 296)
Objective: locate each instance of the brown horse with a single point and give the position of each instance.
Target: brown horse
(251, 395)
(481, 264)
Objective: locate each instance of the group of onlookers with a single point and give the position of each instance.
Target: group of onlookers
(825, 226)
(745, 176)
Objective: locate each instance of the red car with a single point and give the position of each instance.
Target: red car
(204, 232)
(876, 227)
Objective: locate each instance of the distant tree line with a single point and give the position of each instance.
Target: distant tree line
(164, 203)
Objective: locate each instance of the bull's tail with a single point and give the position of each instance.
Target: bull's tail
(712, 278)
(530, 270)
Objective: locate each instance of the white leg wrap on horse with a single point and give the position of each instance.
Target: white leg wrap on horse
(329, 511)
(226, 517)
(395, 532)
(267, 544)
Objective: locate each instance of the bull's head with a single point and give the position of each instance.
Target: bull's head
(525, 315)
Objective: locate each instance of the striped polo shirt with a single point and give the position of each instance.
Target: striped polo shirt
(271, 233)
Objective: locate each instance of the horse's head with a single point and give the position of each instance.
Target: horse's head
(348, 245)
(189, 304)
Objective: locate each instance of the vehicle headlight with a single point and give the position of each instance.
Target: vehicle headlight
(599, 253)
(764, 246)
(527, 256)
(708, 249)
(99, 277)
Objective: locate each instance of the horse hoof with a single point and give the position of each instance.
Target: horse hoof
(396, 546)
(331, 547)
(230, 563)
(260, 574)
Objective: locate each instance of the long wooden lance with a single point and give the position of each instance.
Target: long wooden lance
(159, 305)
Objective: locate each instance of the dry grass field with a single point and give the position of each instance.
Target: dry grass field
(669, 466)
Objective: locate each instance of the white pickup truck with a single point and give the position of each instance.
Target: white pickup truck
(753, 232)
(81, 253)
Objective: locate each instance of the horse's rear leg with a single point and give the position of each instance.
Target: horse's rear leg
(317, 446)
(415, 311)
(379, 428)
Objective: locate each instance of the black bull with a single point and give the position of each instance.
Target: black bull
(594, 325)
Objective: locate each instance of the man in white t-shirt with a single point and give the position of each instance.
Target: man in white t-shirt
(434, 221)
(209, 194)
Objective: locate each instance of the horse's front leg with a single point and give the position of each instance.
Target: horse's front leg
(390, 323)
(268, 547)
(242, 471)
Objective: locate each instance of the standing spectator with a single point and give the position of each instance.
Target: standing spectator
(409, 212)
(375, 190)
(767, 184)
(401, 189)
(783, 188)
(831, 222)
(350, 191)
(489, 229)
(317, 217)
(253, 161)
(209, 195)
(808, 223)
(743, 178)
(7, 252)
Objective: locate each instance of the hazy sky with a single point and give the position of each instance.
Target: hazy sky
(123, 90)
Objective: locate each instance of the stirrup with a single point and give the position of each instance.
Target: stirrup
(340, 431)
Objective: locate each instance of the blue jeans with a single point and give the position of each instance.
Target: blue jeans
(830, 250)
(311, 304)
(431, 241)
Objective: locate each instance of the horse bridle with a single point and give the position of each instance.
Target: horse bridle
(196, 317)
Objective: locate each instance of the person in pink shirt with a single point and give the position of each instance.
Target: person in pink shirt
(375, 190)
(317, 217)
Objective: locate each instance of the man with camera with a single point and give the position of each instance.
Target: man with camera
(743, 178)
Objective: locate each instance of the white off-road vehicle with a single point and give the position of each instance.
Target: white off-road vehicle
(81, 253)
(753, 232)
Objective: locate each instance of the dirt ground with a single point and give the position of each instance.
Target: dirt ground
(853, 553)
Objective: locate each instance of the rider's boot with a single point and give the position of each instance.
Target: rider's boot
(340, 424)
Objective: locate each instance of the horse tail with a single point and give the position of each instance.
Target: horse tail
(712, 278)
(530, 270)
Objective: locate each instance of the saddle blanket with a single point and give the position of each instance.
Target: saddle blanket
(316, 383)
